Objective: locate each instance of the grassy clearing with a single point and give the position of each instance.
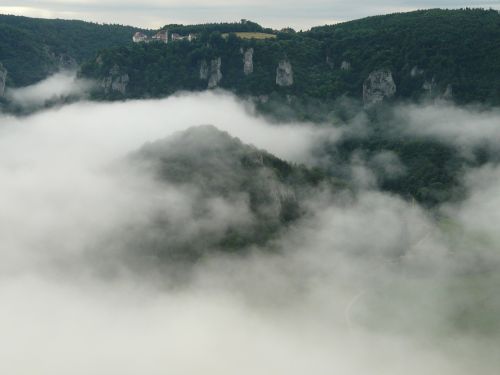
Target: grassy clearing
(247, 35)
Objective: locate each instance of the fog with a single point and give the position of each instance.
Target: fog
(365, 282)
(57, 87)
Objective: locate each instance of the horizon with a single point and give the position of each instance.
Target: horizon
(151, 14)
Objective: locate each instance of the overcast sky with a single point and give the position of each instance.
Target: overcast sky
(299, 14)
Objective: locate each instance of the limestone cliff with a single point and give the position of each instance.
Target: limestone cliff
(378, 86)
(448, 94)
(115, 81)
(430, 87)
(203, 70)
(248, 61)
(284, 74)
(345, 66)
(215, 73)
(3, 78)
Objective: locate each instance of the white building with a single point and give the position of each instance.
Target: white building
(161, 36)
(140, 37)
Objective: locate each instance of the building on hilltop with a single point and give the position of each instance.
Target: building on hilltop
(161, 36)
(189, 37)
(140, 37)
(176, 36)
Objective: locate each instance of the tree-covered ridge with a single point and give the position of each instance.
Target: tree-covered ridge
(218, 169)
(31, 48)
(452, 47)
(427, 52)
(222, 27)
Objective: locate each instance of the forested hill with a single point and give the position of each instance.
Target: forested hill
(31, 49)
(447, 53)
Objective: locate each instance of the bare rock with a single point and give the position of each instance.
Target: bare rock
(248, 61)
(378, 86)
(416, 71)
(3, 78)
(115, 81)
(215, 73)
(430, 87)
(203, 70)
(345, 66)
(284, 74)
(448, 94)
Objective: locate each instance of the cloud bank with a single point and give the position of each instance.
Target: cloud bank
(365, 283)
(57, 87)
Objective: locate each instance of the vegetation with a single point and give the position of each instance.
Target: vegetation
(459, 49)
(32, 48)
(253, 35)
(244, 26)
(216, 166)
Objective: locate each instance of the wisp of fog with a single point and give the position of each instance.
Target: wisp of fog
(366, 282)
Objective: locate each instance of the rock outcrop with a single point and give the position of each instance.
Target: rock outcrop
(248, 61)
(329, 62)
(203, 70)
(3, 78)
(345, 66)
(66, 62)
(416, 71)
(448, 94)
(115, 81)
(215, 73)
(430, 87)
(284, 74)
(378, 86)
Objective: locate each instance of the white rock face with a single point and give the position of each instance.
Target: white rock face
(248, 61)
(448, 94)
(3, 78)
(204, 70)
(66, 62)
(430, 87)
(416, 71)
(345, 66)
(284, 74)
(329, 62)
(115, 82)
(215, 73)
(378, 86)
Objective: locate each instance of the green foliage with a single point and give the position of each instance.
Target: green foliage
(222, 27)
(32, 48)
(460, 48)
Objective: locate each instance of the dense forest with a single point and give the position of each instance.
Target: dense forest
(429, 53)
(222, 27)
(31, 49)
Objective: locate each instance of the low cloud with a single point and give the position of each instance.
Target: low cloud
(58, 87)
(363, 283)
(465, 127)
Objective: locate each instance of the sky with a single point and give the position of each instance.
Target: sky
(275, 14)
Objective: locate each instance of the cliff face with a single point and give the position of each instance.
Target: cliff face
(378, 86)
(284, 74)
(215, 74)
(115, 81)
(248, 61)
(203, 70)
(3, 78)
(326, 63)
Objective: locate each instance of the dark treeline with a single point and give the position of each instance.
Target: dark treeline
(31, 49)
(437, 49)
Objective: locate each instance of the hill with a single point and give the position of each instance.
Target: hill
(447, 53)
(31, 49)
(265, 193)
